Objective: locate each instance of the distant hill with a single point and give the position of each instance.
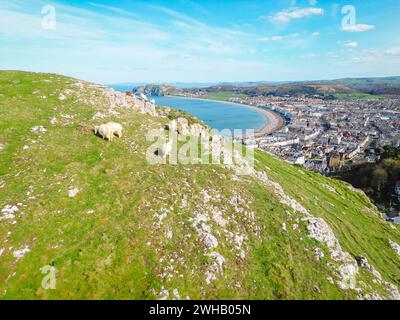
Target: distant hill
(327, 89)
(182, 85)
(374, 86)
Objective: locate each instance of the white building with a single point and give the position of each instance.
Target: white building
(301, 161)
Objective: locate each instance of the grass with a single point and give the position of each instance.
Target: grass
(222, 95)
(351, 215)
(350, 96)
(122, 250)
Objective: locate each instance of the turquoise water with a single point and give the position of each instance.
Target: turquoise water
(217, 115)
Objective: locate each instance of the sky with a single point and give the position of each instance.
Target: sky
(201, 40)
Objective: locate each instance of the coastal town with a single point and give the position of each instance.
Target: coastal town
(328, 135)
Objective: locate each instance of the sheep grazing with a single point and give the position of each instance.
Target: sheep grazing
(107, 131)
(104, 131)
(116, 128)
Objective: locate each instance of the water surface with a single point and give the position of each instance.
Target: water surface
(217, 115)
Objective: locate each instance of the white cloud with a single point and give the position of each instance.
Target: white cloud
(332, 54)
(276, 38)
(295, 13)
(381, 53)
(379, 56)
(113, 9)
(393, 51)
(279, 37)
(204, 38)
(350, 44)
(309, 56)
(264, 39)
(316, 34)
(358, 28)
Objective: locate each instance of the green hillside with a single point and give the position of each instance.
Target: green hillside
(115, 227)
(341, 89)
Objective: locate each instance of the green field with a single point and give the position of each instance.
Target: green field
(351, 96)
(222, 95)
(136, 230)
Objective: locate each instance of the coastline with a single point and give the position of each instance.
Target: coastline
(274, 121)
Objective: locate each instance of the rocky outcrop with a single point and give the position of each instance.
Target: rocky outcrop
(118, 99)
(8, 212)
(344, 265)
(114, 99)
(395, 247)
(38, 129)
(391, 289)
(182, 127)
(156, 90)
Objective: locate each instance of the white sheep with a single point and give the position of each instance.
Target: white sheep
(116, 128)
(108, 130)
(104, 131)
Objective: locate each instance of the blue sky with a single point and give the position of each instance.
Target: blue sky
(202, 41)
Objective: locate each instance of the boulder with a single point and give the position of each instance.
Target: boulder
(319, 253)
(39, 129)
(73, 192)
(395, 247)
(172, 126)
(183, 126)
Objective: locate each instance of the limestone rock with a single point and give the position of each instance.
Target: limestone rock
(395, 247)
(73, 192)
(319, 253)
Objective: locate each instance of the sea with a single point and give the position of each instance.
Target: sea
(217, 115)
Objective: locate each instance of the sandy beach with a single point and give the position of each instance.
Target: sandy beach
(274, 120)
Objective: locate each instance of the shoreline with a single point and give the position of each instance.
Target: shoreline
(274, 121)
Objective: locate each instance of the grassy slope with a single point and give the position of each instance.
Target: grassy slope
(352, 217)
(120, 251)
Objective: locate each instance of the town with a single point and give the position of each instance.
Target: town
(328, 135)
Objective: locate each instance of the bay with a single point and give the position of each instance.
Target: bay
(217, 115)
